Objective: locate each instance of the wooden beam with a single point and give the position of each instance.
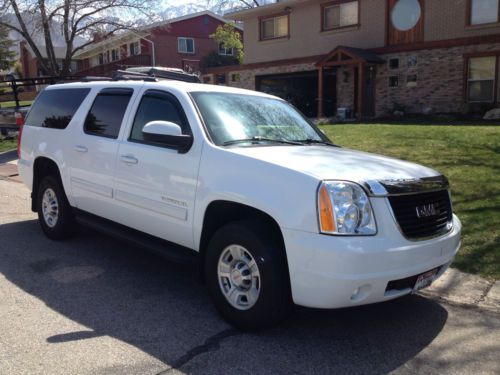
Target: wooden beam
(320, 92)
(361, 88)
(342, 62)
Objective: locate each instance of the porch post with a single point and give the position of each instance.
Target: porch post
(320, 92)
(361, 88)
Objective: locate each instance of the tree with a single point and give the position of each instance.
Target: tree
(223, 6)
(38, 22)
(230, 38)
(7, 56)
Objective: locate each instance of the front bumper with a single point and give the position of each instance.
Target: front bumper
(333, 271)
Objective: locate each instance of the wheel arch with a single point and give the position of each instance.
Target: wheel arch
(43, 166)
(221, 212)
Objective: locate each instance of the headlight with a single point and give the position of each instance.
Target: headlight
(344, 208)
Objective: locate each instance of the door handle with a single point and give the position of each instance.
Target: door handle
(79, 148)
(129, 159)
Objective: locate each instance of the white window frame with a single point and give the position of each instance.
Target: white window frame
(185, 39)
(223, 51)
(137, 51)
(493, 79)
(117, 54)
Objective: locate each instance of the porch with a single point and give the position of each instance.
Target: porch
(355, 70)
(108, 68)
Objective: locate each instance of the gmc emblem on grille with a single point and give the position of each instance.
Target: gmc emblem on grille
(427, 210)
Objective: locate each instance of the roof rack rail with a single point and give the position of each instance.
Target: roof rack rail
(94, 78)
(120, 75)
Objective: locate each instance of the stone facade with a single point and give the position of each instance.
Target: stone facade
(245, 78)
(439, 85)
(440, 80)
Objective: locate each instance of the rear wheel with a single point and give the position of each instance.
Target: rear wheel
(54, 211)
(247, 275)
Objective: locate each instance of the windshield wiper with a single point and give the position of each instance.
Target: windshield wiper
(257, 139)
(310, 141)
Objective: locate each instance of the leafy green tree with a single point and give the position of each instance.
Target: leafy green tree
(230, 38)
(7, 56)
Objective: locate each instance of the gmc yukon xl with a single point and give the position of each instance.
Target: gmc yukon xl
(241, 183)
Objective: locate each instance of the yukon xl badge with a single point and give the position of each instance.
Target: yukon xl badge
(427, 210)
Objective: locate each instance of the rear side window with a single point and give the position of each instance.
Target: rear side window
(106, 115)
(55, 108)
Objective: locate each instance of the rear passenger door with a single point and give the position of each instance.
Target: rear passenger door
(95, 149)
(155, 185)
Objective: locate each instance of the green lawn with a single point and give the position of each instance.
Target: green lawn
(468, 155)
(7, 145)
(12, 103)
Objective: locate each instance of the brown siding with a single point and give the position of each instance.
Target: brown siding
(306, 37)
(395, 36)
(446, 19)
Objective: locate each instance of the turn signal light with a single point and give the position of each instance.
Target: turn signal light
(327, 223)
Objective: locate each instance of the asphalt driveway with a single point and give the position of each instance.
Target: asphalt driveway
(94, 305)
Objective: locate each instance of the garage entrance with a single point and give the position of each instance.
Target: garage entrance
(301, 90)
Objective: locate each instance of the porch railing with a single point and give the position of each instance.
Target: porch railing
(108, 68)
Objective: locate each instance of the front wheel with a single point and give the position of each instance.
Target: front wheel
(54, 211)
(247, 275)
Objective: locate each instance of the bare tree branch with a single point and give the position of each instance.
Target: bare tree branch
(39, 22)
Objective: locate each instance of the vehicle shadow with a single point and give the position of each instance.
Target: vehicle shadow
(160, 308)
(7, 156)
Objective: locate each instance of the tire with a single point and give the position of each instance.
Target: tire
(262, 299)
(57, 221)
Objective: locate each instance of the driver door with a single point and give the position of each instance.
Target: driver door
(155, 186)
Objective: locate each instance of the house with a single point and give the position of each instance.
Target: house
(372, 57)
(180, 42)
(30, 64)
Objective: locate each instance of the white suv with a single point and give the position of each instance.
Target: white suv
(242, 184)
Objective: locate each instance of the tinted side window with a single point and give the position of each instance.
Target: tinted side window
(157, 106)
(105, 117)
(55, 108)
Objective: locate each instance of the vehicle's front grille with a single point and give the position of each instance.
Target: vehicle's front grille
(424, 214)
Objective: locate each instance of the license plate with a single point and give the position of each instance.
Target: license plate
(425, 279)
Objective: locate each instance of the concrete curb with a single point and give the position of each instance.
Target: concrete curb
(460, 288)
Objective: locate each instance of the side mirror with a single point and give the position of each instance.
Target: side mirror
(168, 134)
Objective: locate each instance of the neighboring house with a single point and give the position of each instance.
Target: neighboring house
(177, 43)
(372, 56)
(30, 64)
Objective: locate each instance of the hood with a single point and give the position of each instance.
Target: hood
(331, 163)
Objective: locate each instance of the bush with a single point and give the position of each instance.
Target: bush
(213, 59)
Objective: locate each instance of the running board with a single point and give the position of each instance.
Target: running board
(166, 249)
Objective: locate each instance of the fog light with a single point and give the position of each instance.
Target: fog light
(360, 293)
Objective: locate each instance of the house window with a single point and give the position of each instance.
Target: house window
(115, 54)
(235, 77)
(393, 81)
(411, 80)
(134, 48)
(220, 79)
(483, 11)
(481, 79)
(185, 45)
(95, 60)
(340, 13)
(394, 63)
(274, 27)
(225, 51)
(412, 61)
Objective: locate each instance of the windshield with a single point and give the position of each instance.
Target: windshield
(236, 118)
